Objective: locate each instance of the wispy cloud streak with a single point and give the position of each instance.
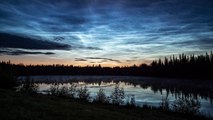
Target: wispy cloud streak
(120, 29)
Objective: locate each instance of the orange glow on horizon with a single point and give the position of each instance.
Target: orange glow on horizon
(34, 60)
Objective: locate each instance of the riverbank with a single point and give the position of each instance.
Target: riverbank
(19, 106)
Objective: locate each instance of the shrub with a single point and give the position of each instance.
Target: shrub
(164, 103)
(57, 91)
(73, 90)
(117, 95)
(83, 93)
(186, 105)
(54, 89)
(29, 86)
(63, 91)
(131, 101)
(101, 97)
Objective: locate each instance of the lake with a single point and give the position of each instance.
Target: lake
(146, 90)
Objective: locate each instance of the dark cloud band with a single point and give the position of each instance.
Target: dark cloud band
(22, 52)
(14, 41)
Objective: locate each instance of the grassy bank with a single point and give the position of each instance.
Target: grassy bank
(17, 106)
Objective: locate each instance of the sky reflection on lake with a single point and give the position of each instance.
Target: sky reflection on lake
(142, 95)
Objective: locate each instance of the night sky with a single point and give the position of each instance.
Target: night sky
(106, 32)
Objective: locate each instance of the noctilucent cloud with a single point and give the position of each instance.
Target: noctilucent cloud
(106, 32)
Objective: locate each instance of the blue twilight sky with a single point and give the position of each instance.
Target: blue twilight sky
(106, 32)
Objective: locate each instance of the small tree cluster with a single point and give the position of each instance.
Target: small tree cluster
(29, 86)
(63, 91)
(54, 89)
(186, 105)
(101, 97)
(57, 91)
(73, 90)
(164, 103)
(118, 95)
(83, 93)
(116, 98)
(131, 101)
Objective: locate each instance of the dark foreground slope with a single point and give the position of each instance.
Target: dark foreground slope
(17, 106)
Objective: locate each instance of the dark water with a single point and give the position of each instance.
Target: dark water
(148, 91)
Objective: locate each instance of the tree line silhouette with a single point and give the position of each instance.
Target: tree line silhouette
(183, 66)
(191, 66)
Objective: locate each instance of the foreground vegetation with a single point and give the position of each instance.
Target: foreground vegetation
(22, 106)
